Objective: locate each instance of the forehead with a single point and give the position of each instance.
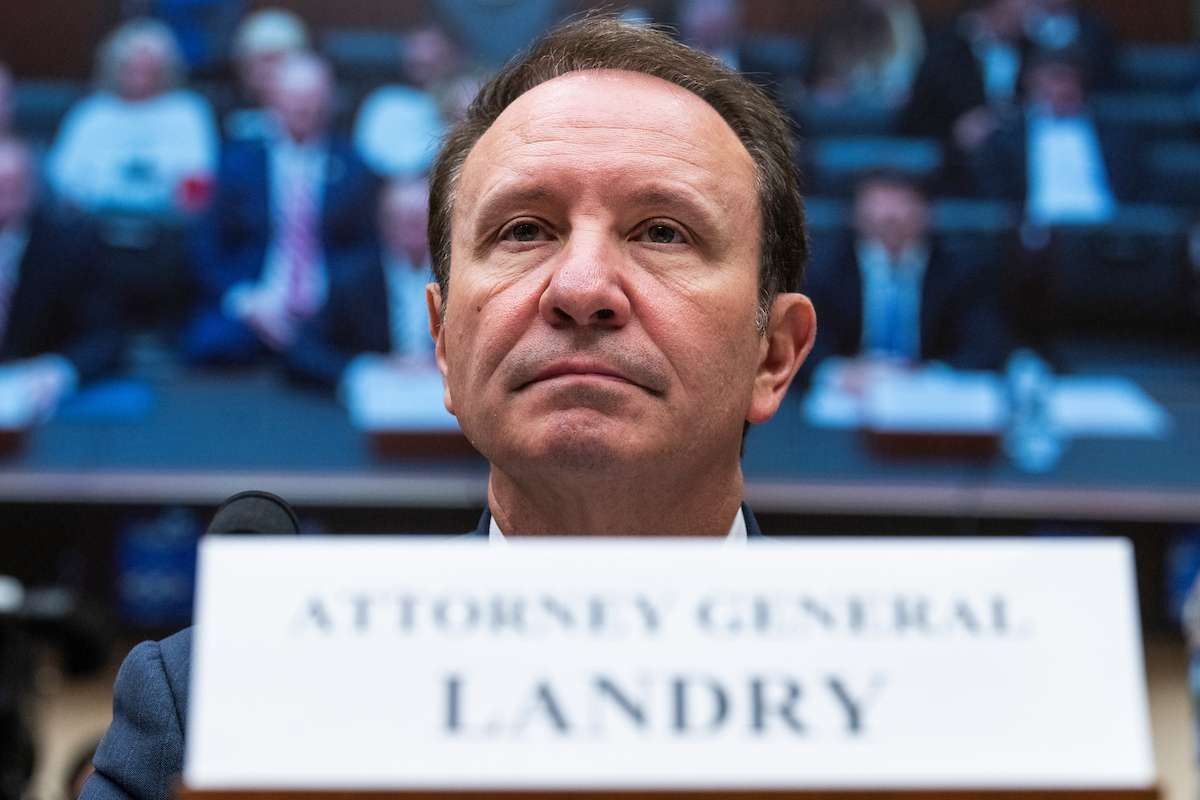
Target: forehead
(146, 44)
(611, 126)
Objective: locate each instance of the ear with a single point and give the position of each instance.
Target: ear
(791, 331)
(437, 329)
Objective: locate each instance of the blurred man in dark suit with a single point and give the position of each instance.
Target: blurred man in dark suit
(1053, 157)
(58, 320)
(375, 317)
(895, 295)
(970, 73)
(288, 212)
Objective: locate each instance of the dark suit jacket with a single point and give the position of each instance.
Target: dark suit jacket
(1001, 166)
(141, 755)
(230, 243)
(61, 303)
(949, 83)
(962, 317)
(353, 321)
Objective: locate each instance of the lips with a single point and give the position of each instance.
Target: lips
(581, 369)
(630, 362)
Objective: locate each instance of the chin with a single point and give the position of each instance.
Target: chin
(580, 443)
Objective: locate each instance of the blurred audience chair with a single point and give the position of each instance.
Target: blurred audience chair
(1158, 68)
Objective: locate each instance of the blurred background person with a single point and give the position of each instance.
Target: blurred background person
(850, 55)
(6, 100)
(908, 48)
(970, 74)
(399, 126)
(894, 294)
(288, 211)
(1053, 157)
(1066, 24)
(134, 142)
(58, 320)
(260, 44)
(376, 316)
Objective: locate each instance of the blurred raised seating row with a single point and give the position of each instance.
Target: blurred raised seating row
(832, 165)
(1131, 274)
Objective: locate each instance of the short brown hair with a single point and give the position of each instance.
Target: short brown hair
(603, 42)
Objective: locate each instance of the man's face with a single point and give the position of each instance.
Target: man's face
(1058, 88)
(603, 290)
(895, 216)
(301, 98)
(1006, 17)
(257, 71)
(140, 75)
(404, 218)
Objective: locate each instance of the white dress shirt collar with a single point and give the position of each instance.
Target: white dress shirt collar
(736, 535)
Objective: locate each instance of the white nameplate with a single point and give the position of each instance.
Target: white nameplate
(373, 663)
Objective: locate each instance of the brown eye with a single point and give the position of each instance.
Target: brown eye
(663, 234)
(525, 231)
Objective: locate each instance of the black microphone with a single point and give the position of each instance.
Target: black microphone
(255, 512)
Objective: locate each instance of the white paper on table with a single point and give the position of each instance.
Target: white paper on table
(828, 405)
(17, 409)
(383, 397)
(1106, 406)
(936, 401)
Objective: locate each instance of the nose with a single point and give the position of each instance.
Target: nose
(586, 289)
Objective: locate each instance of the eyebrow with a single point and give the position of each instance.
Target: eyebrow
(684, 202)
(501, 201)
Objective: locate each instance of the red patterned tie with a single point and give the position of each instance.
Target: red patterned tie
(300, 245)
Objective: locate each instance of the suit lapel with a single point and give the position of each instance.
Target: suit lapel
(752, 529)
(483, 529)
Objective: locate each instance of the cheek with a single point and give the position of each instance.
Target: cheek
(485, 323)
(708, 336)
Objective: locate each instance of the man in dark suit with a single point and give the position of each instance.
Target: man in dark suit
(895, 294)
(609, 315)
(58, 319)
(375, 317)
(970, 73)
(287, 213)
(1052, 157)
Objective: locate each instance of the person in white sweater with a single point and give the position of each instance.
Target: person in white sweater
(135, 143)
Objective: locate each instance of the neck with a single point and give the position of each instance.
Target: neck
(651, 503)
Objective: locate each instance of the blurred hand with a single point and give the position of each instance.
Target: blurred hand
(274, 326)
(267, 315)
(973, 128)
